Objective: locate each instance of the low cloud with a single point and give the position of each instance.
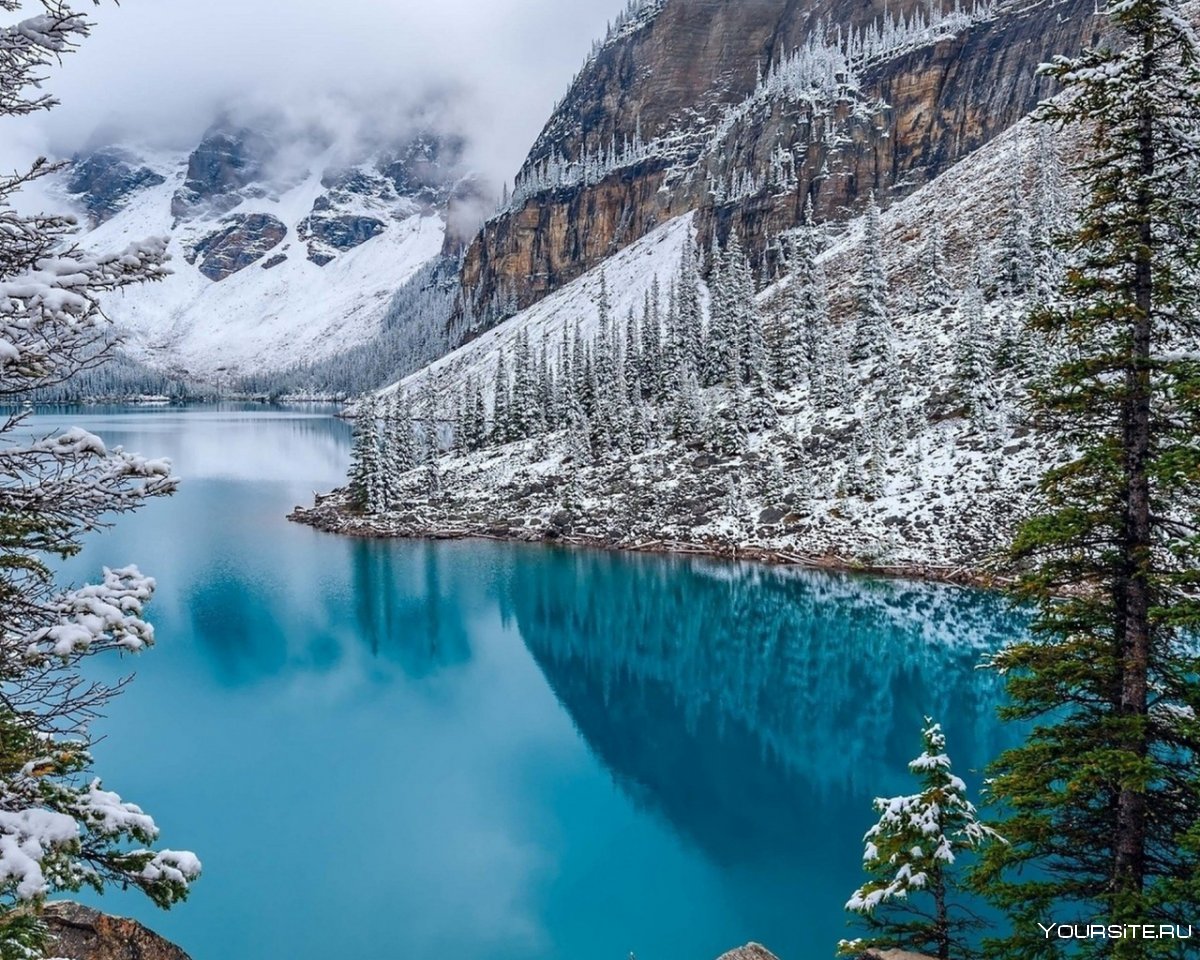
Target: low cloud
(159, 71)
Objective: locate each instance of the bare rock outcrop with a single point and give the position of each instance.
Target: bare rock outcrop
(751, 951)
(86, 934)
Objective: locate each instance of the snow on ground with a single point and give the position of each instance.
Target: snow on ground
(629, 276)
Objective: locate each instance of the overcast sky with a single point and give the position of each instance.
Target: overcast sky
(162, 68)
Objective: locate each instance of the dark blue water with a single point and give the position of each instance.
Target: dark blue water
(481, 751)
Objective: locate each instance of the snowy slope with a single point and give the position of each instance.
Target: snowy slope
(629, 276)
(258, 318)
(896, 463)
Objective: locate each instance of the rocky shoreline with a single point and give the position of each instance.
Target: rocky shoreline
(82, 933)
(331, 513)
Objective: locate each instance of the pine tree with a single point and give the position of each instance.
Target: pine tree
(872, 326)
(1105, 793)
(691, 319)
(935, 284)
(912, 900)
(364, 456)
(716, 367)
(61, 831)
(802, 325)
(1016, 247)
(972, 360)
(501, 401)
(1048, 222)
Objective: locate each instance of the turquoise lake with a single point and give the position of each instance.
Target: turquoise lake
(485, 751)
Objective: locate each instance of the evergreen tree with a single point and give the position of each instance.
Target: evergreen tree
(399, 448)
(691, 319)
(501, 401)
(912, 900)
(935, 284)
(803, 319)
(60, 831)
(872, 326)
(1016, 246)
(365, 466)
(972, 360)
(1048, 223)
(716, 367)
(1104, 797)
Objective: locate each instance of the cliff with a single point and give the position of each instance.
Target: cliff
(743, 111)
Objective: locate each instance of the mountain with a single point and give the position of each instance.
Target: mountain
(288, 243)
(759, 291)
(745, 111)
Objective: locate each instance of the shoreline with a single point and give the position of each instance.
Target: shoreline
(328, 516)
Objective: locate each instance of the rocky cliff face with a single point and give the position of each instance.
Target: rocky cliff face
(745, 110)
(105, 179)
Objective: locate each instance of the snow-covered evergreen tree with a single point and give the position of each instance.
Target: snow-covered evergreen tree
(936, 290)
(872, 322)
(1016, 250)
(60, 830)
(912, 900)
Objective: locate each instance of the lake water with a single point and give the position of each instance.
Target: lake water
(483, 751)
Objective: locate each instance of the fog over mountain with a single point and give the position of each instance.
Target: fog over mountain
(158, 71)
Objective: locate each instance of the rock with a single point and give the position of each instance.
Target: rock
(893, 955)
(105, 179)
(426, 167)
(560, 520)
(751, 951)
(225, 162)
(341, 233)
(86, 934)
(243, 239)
(771, 515)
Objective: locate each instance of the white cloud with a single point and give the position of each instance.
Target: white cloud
(160, 69)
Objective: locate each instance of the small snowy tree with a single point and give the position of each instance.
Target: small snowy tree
(59, 829)
(935, 284)
(872, 326)
(911, 901)
(365, 462)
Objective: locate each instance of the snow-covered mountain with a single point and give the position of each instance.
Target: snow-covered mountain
(287, 244)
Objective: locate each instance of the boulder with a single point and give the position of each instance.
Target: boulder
(86, 934)
(751, 951)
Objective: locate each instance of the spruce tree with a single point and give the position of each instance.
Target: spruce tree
(935, 285)
(913, 899)
(716, 367)
(872, 326)
(501, 401)
(364, 456)
(1103, 799)
(60, 829)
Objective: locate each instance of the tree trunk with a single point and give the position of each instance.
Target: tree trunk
(1133, 581)
(943, 920)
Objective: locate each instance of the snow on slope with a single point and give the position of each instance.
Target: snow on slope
(629, 276)
(258, 319)
(896, 462)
